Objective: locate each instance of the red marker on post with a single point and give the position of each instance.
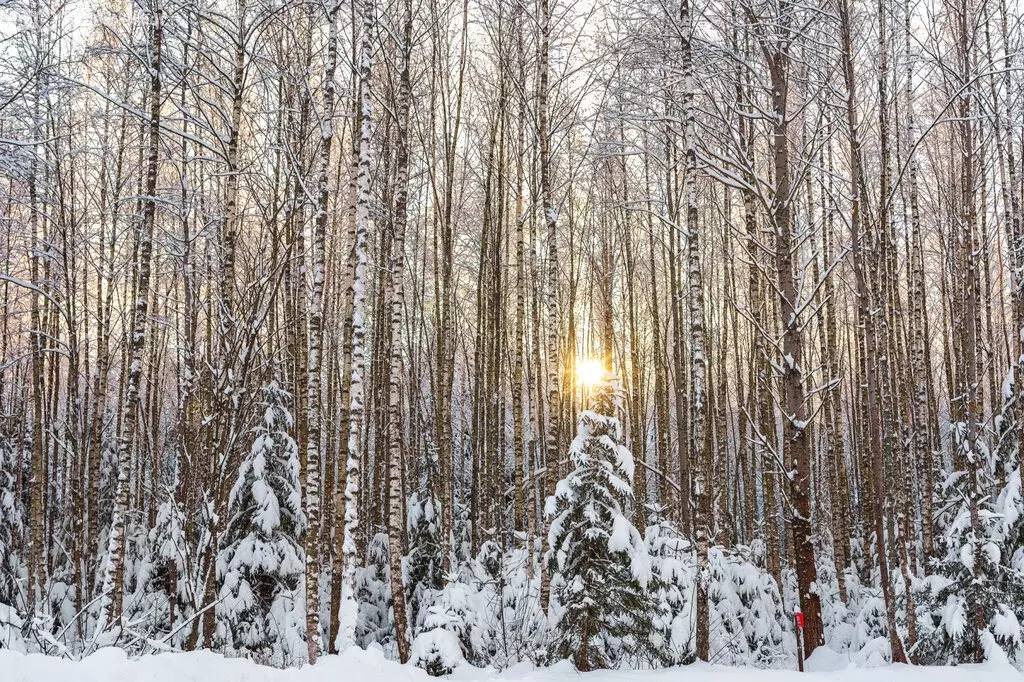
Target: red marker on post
(798, 618)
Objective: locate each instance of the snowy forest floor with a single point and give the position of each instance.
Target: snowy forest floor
(357, 665)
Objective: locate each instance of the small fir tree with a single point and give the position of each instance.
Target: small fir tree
(977, 586)
(373, 594)
(261, 564)
(424, 561)
(765, 621)
(10, 523)
(604, 612)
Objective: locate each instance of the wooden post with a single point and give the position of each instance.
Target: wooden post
(798, 618)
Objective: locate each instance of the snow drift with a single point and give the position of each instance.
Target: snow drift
(358, 665)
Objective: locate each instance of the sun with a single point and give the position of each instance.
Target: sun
(590, 371)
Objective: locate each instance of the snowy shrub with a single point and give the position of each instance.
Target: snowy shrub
(453, 629)
(11, 626)
(436, 650)
(147, 596)
(373, 595)
(766, 624)
(673, 583)
(518, 624)
(167, 542)
(727, 640)
(835, 615)
(424, 561)
(870, 642)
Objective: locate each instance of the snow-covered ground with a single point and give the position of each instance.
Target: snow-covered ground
(111, 665)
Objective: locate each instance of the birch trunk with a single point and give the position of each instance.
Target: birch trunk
(349, 608)
(699, 436)
(396, 525)
(315, 348)
(112, 591)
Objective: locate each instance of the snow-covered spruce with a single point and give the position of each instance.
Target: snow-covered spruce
(424, 562)
(373, 594)
(260, 566)
(975, 589)
(601, 611)
(11, 569)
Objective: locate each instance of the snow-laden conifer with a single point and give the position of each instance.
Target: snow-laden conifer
(673, 583)
(603, 611)
(260, 566)
(373, 594)
(10, 524)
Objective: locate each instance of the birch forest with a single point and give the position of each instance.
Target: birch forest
(631, 332)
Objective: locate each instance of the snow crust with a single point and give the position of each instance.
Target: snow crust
(358, 665)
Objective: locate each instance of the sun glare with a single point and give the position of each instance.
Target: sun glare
(590, 371)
